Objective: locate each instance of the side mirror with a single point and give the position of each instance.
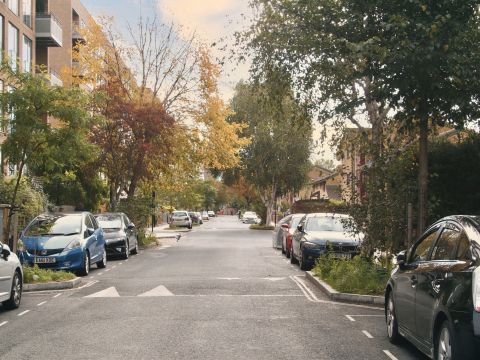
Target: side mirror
(89, 232)
(130, 226)
(401, 259)
(285, 226)
(300, 228)
(4, 250)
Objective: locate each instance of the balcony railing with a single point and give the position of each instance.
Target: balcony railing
(48, 30)
(55, 79)
(77, 34)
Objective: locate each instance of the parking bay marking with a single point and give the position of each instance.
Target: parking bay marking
(351, 317)
(55, 296)
(23, 312)
(390, 355)
(367, 334)
(40, 304)
(3, 323)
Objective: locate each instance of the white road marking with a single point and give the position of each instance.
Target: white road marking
(349, 318)
(273, 278)
(390, 355)
(233, 278)
(367, 334)
(24, 312)
(55, 296)
(113, 267)
(158, 291)
(108, 270)
(3, 323)
(43, 302)
(109, 292)
(100, 273)
(90, 283)
(120, 263)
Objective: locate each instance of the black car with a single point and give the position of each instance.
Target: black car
(121, 236)
(196, 217)
(323, 233)
(433, 296)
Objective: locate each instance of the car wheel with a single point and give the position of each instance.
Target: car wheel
(287, 253)
(283, 249)
(445, 344)
(15, 294)
(391, 319)
(135, 250)
(293, 260)
(302, 264)
(86, 264)
(127, 251)
(103, 263)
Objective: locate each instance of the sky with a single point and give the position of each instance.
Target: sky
(214, 21)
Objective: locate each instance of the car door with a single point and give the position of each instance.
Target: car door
(6, 273)
(297, 238)
(437, 278)
(131, 232)
(99, 236)
(91, 240)
(406, 279)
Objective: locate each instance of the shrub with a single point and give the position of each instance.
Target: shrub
(146, 239)
(36, 275)
(261, 227)
(359, 275)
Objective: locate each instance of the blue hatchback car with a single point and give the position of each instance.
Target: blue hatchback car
(69, 242)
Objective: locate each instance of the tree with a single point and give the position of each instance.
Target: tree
(31, 103)
(277, 159)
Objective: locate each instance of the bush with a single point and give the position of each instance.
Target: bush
(34, 274)
(359, 275)
(261, 227)
(146, 239)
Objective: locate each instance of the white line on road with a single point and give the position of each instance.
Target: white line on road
(229, 279)
(120, 263)
(390, 355)
(3, 323)
(108, 270)
(24, 312)
(55, 296)
(43, 302)
(367, 334)
(349, 318)
(113, 267)
(294, 279)
(87, 284)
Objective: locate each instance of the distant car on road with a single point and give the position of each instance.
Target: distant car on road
(11, 278)
(322, 233)
(196, 217)
(211, 213)
(433, 296)
(288, 230)
(278, 233)
(205, 215)
(120, 234)
(64, 242)
(251, 217)
(181, 219)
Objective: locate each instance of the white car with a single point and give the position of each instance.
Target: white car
(211, 213)
(181, 218)
(11, 278)
(205, 215)
(251, 217)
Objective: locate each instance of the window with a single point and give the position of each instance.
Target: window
(422, 249)
(13, 5)
(27, 12)
(27, 54)
(12, 46)
(463, 252)
(94, 221)
(1, 36)
(447, 243)
(88, 222)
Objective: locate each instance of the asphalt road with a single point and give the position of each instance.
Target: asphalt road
(221, 292)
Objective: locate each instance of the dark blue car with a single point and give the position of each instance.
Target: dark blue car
(69, 242)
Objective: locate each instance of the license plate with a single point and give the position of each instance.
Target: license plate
(342, 255)
(45, 260)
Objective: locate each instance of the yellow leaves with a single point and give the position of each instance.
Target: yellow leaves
(424, 7)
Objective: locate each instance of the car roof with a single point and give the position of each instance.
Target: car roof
(110, 213)
(328, 215)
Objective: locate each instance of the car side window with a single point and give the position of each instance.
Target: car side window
(422, 249)
(126, 221)
(94, 222)
(88, 222)
(463, 251)
(447, 243)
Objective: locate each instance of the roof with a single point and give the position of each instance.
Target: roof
(325, 178)
(328, 215)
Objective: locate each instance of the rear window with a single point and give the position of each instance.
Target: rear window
(110, 221)
(295, 222)
(179, 213)
(55, 225)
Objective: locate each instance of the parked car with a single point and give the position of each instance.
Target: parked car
(250, 217)
(196, 217)
(11, 278)
(64, 242)
(433, 296)
(181, 219)
(205, 215)
(211, 213)
(121, 237)
(278, 233)
(288, 231)
(317, 234)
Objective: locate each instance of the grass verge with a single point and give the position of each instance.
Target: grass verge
(146, 239)
(36, 275)
(261, 227)
(355, 276)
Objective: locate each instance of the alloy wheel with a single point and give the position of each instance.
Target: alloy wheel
(390, 317)
(444, 350)
(86, 263)
(17, 290)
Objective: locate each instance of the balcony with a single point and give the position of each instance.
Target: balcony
(48, 30)
(55, 79)
(77, 35)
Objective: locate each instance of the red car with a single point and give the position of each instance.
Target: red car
(288, 229)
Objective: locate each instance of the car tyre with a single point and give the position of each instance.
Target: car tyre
(15, 294)
(135, 249)
(283, 249)
(302, 264)
(127, 251)
(391, 319)
(445, 348)
(103, 263)
(293, 260)
(86, 264)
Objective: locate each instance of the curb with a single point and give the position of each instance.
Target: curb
(344, 297)
(60, 285)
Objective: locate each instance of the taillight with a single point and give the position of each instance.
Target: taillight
(476, 289)
(186, 218)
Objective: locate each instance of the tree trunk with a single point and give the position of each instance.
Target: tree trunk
(423, 176)
(12, 243)
(113, 197)
(269, 200)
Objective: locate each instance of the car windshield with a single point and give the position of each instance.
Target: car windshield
(55, 225)
(295, 222)
(179, 213)
(110, 221)
(251, 214)
(324, 223)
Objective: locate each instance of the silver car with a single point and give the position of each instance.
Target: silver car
(181, 219)
(11, 278)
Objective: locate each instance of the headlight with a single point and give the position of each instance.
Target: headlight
(73, 245)
(312, 246)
